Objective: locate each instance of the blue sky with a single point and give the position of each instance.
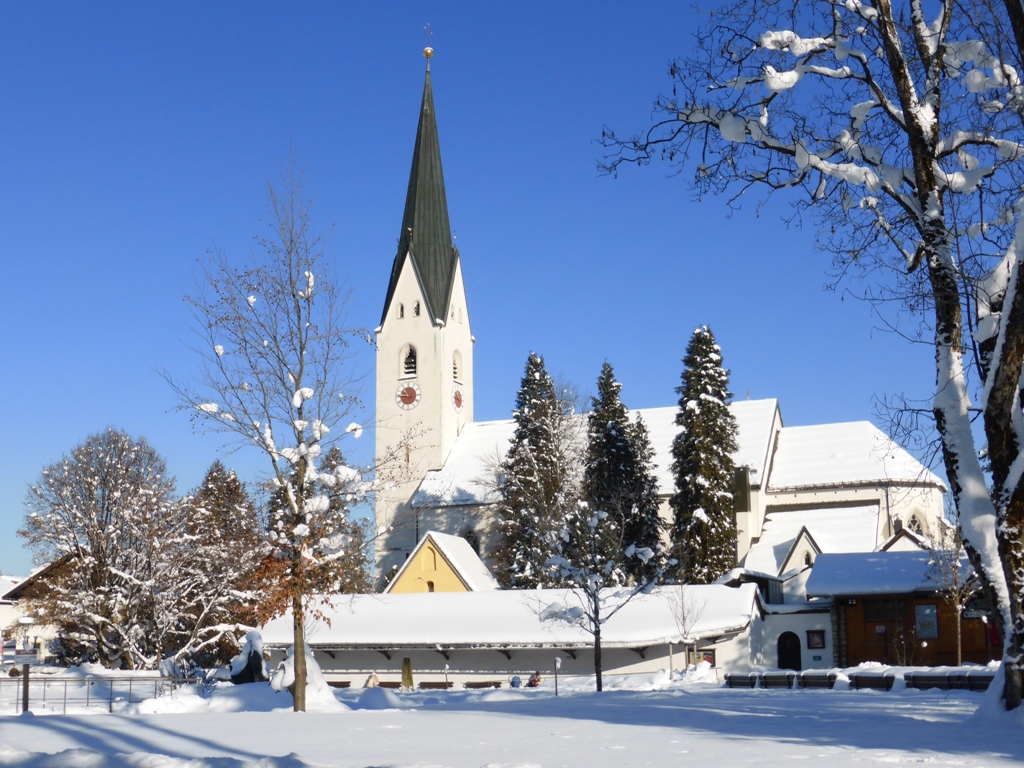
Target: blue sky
(135, 136)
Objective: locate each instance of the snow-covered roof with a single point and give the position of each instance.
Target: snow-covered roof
(873, 573)
(467, 477)
(512, 619)
(905, 540)
(837, 529)
(850, 453)
(8, 583)
(460, 556)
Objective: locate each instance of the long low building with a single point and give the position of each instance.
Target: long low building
(468, 637)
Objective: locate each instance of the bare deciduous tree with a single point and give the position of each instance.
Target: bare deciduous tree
(898, 131)
(953, 579)
(276, 374)
(104, 517)
(596, 575)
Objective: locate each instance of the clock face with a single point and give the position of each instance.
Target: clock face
(457, 398)
(407, 396)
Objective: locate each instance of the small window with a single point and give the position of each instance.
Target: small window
(815, 638)
(430, 586)
(457, 366)
(401, 311)
(807, 558)
(915, 525)
(884, 610)
(416, 309)
(700, 656)
(472, 539)
(409, 362)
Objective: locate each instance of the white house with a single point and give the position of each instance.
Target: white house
(491, 635)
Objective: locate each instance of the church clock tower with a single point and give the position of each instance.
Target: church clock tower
(424, 348)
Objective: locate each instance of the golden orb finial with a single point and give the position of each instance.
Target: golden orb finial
(428, 52)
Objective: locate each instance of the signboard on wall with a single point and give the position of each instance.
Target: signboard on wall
(926, 622)
(22, 656)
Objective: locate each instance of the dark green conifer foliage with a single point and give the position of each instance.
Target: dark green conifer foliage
(704, 525)
(353, 570)
(227, 544)
(536, 483)
(618, 480)
(643, 527)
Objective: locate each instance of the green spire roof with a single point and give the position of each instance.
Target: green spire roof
(426, 236)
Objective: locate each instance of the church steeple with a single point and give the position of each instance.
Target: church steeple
(426, 236)
(424, 352)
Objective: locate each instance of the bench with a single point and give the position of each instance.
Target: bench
(922, 681)
(877, 682)
(959, 680)
(435, 685)
(979, 681)
(741, 679)
(389, 684)
(483, 684)
(340, 683)
(817, 679)
(782, 679)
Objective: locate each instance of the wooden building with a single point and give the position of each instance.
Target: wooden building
(890, 607)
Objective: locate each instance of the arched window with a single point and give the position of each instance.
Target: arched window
(430, 586)
(807, 558)
(457, 366)
(416, 309)
(409, 361)
(472, 539)
(915, 525)
(401, 311)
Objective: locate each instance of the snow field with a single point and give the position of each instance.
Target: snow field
(640, 721)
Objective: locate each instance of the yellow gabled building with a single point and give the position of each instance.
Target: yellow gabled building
(442, 563)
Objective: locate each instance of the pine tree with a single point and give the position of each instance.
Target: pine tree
(353, 570)
(538, 483)
(704, 525)
(618, 480)
(643, 527)
(218, 557)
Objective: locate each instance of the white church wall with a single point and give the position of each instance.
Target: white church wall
(806, 626)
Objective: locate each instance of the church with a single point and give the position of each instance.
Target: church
(800, 491)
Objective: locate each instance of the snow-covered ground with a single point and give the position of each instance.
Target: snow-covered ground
(640, 721)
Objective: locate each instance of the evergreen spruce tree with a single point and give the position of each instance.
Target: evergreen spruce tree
(618, 480)
(224, 548)
(538, 483)
(352, 572)
(704, 524)
(643, 526)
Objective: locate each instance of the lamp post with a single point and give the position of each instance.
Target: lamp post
(558, 666)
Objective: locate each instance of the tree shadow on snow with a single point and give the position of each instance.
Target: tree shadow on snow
(913, 721)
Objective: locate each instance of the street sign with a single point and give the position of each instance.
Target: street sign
(22, 656)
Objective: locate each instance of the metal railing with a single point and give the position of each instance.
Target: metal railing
(57, 694)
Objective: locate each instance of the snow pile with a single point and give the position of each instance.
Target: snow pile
(319, 695)
(380, 698)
